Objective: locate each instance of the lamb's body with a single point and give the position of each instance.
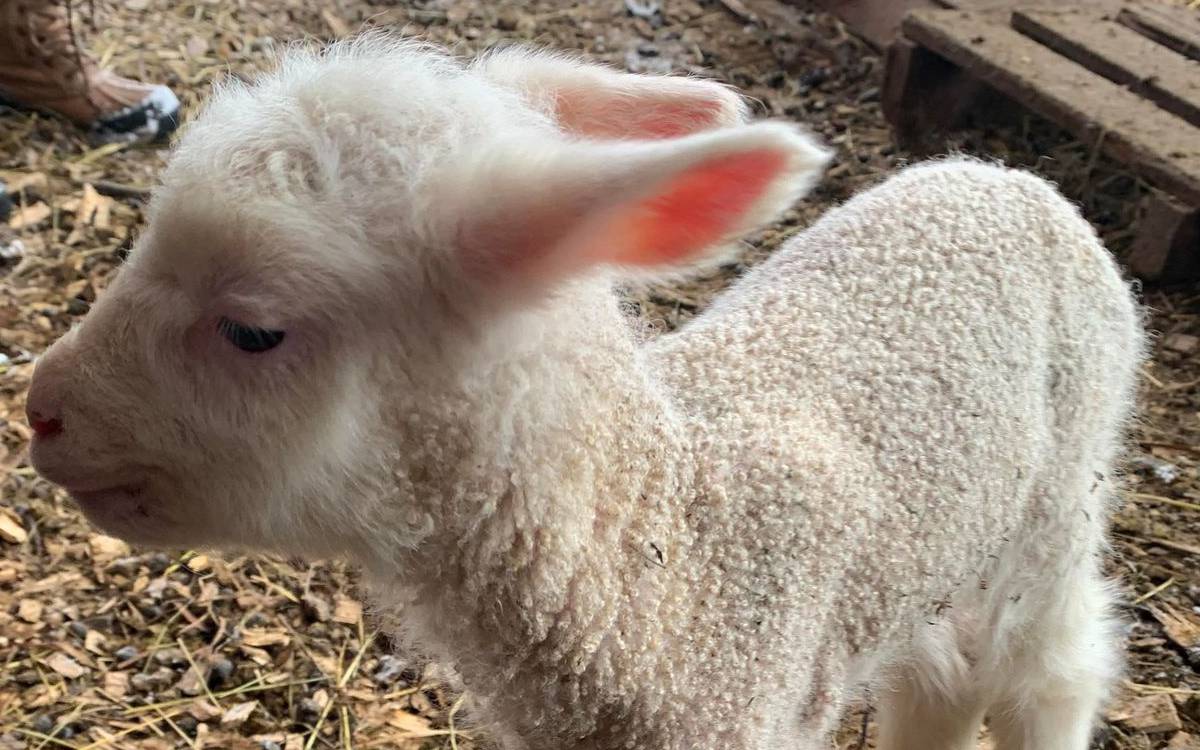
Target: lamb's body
(371, 318)
(916, 469)
(884, 456)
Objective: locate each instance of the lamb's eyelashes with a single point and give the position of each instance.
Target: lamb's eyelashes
(250, 339)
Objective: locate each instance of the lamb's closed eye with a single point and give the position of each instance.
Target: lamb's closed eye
(249, 338)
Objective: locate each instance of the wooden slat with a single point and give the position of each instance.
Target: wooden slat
(1118, 53)
(1167, 246)
(1005, 6)
(1176, 28)
(1161, 147)
(878, 23)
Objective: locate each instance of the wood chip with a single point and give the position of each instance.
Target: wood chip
(261, 638)
(80, 288)
(95, 642)
(208, 592)
(1181, 626)
(11, 529)
(29, 216)
(116, 685)
(1184, 343)
(256, 655)
(738, 8)
(275, 737)
(328, 664)
(316, 607)
(30, 610)
(94, 208)
(1184, 741)
(346, 611)
(59, 581)
(18, 181)
(10, 571)
(198, 563)
(192, 682)
(238, 714)
(411, 724)
(65, 666)
(196, 46)
(105, 549)
(1150, 714)
(204, 711)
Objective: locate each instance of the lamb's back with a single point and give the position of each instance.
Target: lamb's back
(881, 406)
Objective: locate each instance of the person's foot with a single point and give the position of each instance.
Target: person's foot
(6, 204)
(43, 67)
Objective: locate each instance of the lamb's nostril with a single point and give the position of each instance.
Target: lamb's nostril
(45, 427)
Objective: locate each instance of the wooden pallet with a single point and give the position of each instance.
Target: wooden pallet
(1123, 76)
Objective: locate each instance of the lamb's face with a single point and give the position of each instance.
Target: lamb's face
(222, 381)
(327, 247)
(226, 389)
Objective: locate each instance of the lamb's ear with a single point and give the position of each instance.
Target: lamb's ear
(540, 212)
(599, 102)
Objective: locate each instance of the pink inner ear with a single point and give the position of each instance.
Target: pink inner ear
(691, 212)
(676, 119)
(630, 116)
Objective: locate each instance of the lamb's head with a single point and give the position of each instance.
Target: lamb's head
(329, 244)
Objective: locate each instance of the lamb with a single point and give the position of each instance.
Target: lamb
(372, 316)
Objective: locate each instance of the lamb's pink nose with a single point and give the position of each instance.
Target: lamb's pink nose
(44, 427)
(48, 400)
(43, 405)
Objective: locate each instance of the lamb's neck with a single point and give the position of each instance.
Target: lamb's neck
(551, 474)
(559, 433)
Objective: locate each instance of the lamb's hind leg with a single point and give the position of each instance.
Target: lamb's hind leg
(931, 704)
(1061, 671)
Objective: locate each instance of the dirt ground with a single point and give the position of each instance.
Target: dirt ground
(107, 647)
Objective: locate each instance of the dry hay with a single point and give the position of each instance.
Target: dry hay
(107, 647)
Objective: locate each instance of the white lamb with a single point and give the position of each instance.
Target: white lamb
(372, 317)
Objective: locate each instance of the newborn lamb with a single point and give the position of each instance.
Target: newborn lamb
(372, 317)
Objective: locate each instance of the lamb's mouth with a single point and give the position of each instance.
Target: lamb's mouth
(124, 495)
(122, 509)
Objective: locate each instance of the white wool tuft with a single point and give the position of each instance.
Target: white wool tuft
(880, 464)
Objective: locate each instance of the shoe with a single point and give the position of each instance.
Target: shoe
(43, 67)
